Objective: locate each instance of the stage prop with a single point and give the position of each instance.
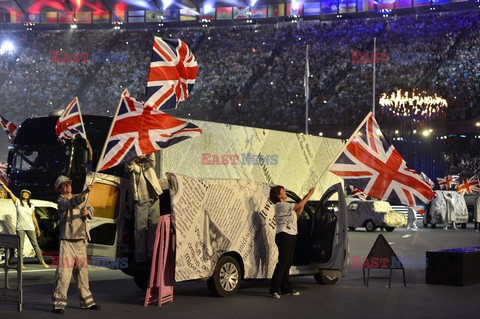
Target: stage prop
(160, 284)
(382, 256)
(454, 267)
(9, 243)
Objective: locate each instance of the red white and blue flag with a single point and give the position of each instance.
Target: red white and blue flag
(468, 186)
(70, 124)
(172, 74)
(372, 164)
(448, 181)
(138, 129)
(3, 173)
(427, 180)
(359, 194)
(9, 127)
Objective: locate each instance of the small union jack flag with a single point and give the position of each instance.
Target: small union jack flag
(448, 182)
(9, 127)
(359, 194)
(374, 166)
(172, 74)
(138, 129)
(427, 180)
(3, 173)
(70, 124)
(468, 186)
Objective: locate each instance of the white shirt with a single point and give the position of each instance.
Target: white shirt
(285, 218)
(24, 216)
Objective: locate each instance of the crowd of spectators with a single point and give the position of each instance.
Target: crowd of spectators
(253, 74)
(462, 157)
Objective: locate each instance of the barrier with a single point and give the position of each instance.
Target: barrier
(9, 243)
(160, 284)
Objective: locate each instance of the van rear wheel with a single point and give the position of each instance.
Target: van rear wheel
(323, 279)
(225, 280)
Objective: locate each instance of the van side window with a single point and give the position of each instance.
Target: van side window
(353, 206)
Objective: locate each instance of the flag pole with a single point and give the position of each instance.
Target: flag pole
(344, 146)
(307, 89)
(90, 151)
(100, 158)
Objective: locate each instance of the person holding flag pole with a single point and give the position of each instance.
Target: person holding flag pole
(73, 222)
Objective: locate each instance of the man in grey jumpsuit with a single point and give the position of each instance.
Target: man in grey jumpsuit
(146, 189)
(73, 246)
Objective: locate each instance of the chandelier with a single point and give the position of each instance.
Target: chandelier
(418, 106)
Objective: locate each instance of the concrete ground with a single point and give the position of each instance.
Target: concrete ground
(349, 298)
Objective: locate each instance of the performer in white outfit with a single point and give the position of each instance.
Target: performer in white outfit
(73, 246)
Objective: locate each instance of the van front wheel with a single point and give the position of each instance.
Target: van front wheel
(322, 279)
(370, 226)
(225, 280)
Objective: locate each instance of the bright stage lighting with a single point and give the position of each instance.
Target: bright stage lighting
(253, 2)
(207, 8)
(295, 5)
(7, 47)
(414, 105)
(166, 3)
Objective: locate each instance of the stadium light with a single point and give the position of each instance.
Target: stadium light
(7, 47)
(295, 5)
(166, 3)
(207, 8)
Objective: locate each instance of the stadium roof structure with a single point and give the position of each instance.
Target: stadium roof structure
(37, 6)
(94, 14)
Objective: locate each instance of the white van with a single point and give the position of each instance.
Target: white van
(227, 226)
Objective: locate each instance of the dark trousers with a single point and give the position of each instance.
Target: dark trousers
(280, 282)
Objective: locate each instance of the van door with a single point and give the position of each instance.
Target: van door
(108, 197)
(330, 235)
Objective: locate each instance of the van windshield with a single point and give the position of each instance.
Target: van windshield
(40, 160)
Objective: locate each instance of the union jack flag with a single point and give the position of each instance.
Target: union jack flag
(448, 181)
(138, 129)
(70, 124)
(3, 173)
(359, 194)
(468, 186)
(374, 166)
(9, 127)
(172, 74)
(427, 180)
